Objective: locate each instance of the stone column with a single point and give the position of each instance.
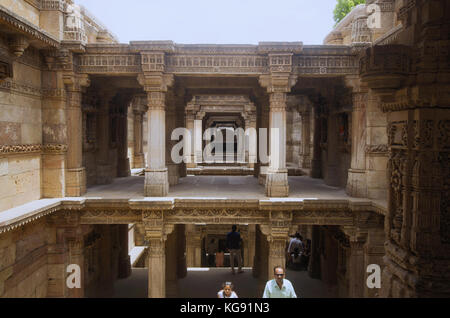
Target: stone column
(277, 234)
(357, 271)
(139, 160)
(156, 174)
(155, 84)
(316, 162)
(190, 117)
(357, 182)
(171, 124)
(305, 157)
(106, 279)
(181, 248)
(171, 264)
(156, 236)
(314, 262)
(251, 244)
(124, 257)
(54, 135)
(104, 175)
(198, 138)
(332, 174)
(277, 176)
(251, 153)
(123, 163)
(76, 174)
(193, 246)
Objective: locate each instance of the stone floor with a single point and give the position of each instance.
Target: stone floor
(232, 187)
(210, 280)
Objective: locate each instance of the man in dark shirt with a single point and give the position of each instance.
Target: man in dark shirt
(234, 246)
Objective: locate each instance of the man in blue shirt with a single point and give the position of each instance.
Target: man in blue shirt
(279, 287)
(234, 246)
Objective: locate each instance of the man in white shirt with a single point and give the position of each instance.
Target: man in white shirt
(279, 287)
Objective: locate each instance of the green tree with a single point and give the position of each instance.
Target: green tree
(343, 7)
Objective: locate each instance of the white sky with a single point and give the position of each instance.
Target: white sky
(215, 22)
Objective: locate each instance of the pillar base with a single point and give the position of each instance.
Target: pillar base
(316, 169)
(357, 183)
(75, 182)
(174, 174)
(104, 174)
(124, 267)
(156, 183)
(277, 184)
(124, 168)
(305, 161)
(139, 161)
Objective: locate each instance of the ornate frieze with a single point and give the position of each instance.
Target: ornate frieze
(20, 88)
(17, 149)
(248, 64)
(323, 65)
(109, 63)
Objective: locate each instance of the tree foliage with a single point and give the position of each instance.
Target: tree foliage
(343, 7)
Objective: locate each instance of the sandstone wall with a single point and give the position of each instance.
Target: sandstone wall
(23, 261)
(21, 124)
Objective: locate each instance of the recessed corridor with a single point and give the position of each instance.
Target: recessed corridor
(206, 282)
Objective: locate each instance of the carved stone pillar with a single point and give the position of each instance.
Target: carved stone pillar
(75, 176)
(190, 161)
(193, 246)
(251, 153)
(198, 137)
(357, 180)
(123, 162)
(156, 236)
(251, 244)
(357, 271)
(156, 174)
(124, 257)
(104, 166)
(106, 278)
(305, 157)
(54, 135)
(138, 112)
(173, 168)
(314, 262)
(316, 162)
(277, 177)
(171, 264)
(277, 234)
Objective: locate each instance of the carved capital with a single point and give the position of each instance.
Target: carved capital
(154, 82)
(58, 60)
(278, 83)
(76, 82)
(18, 44)
(277, 102)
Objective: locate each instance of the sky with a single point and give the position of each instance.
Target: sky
(215, 22)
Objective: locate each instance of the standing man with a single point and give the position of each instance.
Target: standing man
(234, 246)
(279, 287)
(295, 247)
